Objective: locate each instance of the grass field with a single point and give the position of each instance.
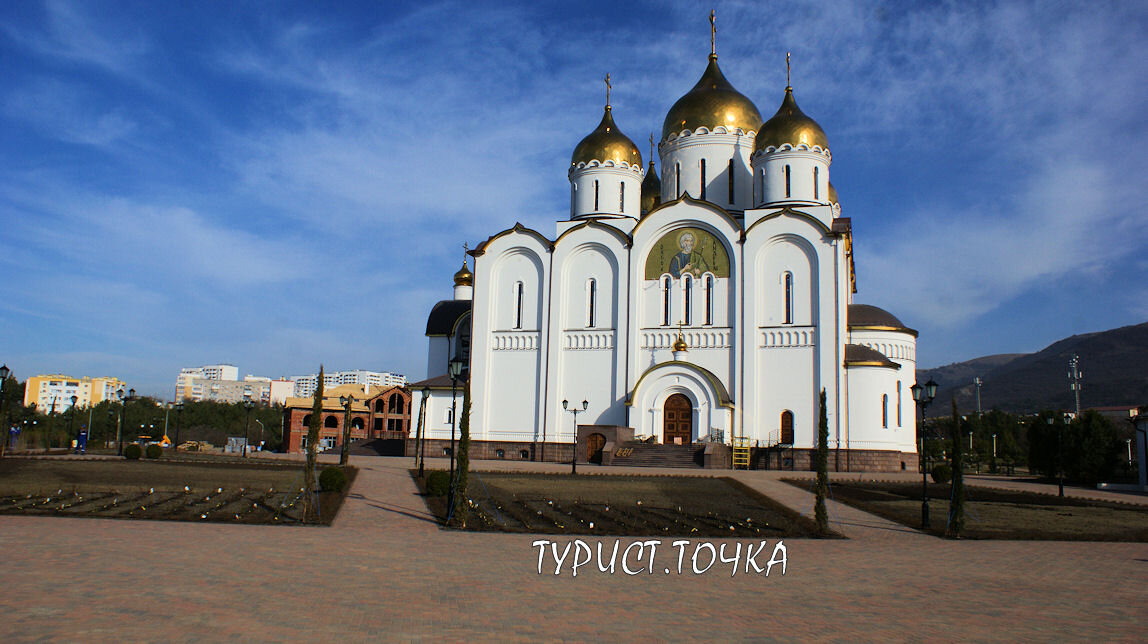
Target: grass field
(998, 514)
(605, 505)
(230, 490)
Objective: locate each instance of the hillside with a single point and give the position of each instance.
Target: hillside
(1113, 362)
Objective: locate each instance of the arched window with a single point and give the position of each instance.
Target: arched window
(622, 197)
(399, 404)
(898, 403)
(518, 288)
(596, 194)
(761, 183)
(331, 421)
(816, 185)
(786, 183)
(729, 174)
(709, 299)
(703, 179)
(787, 427)
(666, 300)
(677, 180)
(591, 299)
(787, 279)
(687, 286)
(885, 410)
(307, 420)
(379, 408)
(447, 416)
(356, 423)
(573, 196)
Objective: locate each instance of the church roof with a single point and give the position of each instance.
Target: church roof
(607, 143)
(867, 316)
(790, 125)
(857, 355)
(437, 382)
(712, 102)
(651, 189)
(445, 315)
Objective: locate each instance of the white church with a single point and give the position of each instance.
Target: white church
(701, 312)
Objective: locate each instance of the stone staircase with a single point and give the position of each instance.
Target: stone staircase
(638, 454)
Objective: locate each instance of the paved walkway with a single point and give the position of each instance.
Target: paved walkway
(385, 571)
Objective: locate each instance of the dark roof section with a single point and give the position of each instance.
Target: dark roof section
(866, 316)
(445, 316)
(862, 356)
(437, 382)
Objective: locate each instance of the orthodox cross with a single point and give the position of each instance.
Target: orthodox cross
(608, 86)
(651, 147)
(713, 34)
(787, 69)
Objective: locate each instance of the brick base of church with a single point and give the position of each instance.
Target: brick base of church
(842, 460)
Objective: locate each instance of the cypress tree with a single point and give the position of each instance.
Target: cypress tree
(819, 512)
(957, 494)
(312, 451)
(461, 506)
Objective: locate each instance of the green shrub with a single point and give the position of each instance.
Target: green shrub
(332, 479)
(133, 452)
(438, 483)
(153, 451)
(942, 474)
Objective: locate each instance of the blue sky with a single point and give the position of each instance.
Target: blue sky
(276, 185)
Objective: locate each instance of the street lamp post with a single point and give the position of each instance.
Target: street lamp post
(1059, 454)
(72, 417)
(260, 423)
(1140, 422)
(455, 373)
(122, 426)
(4, 371)
(574, 454)
(248, 404)
(923, 396)
(420, 440)
(345, 453)
(178, 423)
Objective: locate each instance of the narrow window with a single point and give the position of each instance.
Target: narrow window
(518, 305)
(703, 178)
(787, 427)
(885, 410)
(786, 182)
(596, 192)
(592, 293)
(730, 173)
(761, 182)
(789, 298)
(447, 415)
(816, 185)
(709, 299)
(687, 286)
(898, 403)
(666, 301)
(677, 179)
(573, 196)
(622, 197)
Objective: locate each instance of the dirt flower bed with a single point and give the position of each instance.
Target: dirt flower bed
(612, 505)
(229, 492)
(997, 514)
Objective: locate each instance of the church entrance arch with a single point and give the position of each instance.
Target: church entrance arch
(678, 419)
(594, 444)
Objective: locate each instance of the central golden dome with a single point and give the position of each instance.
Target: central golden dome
(464, 277)
(790, 125)
(712, 102)
(607, 143)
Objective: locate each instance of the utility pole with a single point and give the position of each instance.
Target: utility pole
(1075, 374)
(978, 382)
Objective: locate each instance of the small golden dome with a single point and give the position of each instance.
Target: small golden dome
(651, 190)
(680, 344)
(607, 143)
(832, 193)
(464, 277)
(712, 102)
(790, 125)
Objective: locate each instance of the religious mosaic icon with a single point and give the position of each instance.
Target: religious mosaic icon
(687, 251)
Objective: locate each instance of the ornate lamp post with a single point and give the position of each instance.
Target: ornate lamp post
(420, 440)
(72, 416)
(248, 404)
(456, 366)
(345, 453)
(1059, 453)
(178, 418)
(923, 396)
(122, 428)
(574, 454)
(4, 371)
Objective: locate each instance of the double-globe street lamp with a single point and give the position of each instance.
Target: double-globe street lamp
(1059, 452)
(456, 364)
(178, 418)
(72, 415)
(4, 371)
(122, 428)
(574, 454)
(345, 452)
(923, 396)
(420, 440)
(248, 404)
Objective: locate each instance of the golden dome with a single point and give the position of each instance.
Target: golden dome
(651, 190)
(607, 143)
(712, 102)
(790, 125)
(464, 277)
(680, 344)
(832, 193)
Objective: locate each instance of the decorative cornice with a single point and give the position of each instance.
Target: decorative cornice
(518, 228)
(686, 198)
(796, 213)
(626, 240)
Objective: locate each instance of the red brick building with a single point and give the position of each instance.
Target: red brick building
(376, 413)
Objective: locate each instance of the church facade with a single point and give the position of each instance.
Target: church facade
(710, 306)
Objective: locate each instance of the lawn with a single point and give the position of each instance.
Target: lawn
(232, 491)
(998, 514)
(611, 505)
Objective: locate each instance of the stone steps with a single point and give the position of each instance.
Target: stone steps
(637, 454)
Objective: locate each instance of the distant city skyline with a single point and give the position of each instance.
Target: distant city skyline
(292, 184)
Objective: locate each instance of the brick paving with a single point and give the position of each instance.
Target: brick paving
(384, 571)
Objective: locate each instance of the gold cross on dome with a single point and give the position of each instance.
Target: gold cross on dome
(608, 86)
(787, 84)
(713, 33)
(651, 147)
